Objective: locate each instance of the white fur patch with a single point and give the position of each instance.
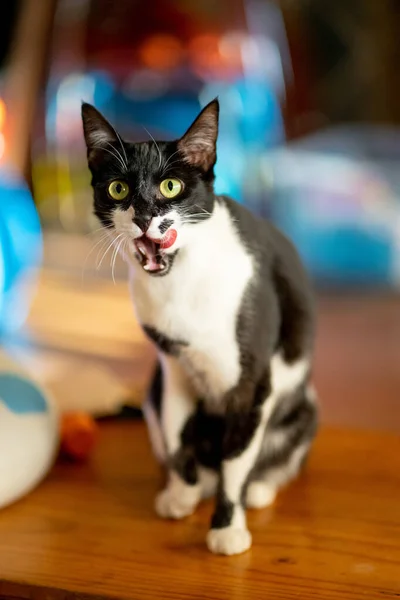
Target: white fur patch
(188, 303)
(178, 500)
(154, 228)
(228, 541)
(285, 377)
(178, 402)
(123, 222)
(260, 494)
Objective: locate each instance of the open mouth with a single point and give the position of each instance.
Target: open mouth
(150, 255)
(150, 252)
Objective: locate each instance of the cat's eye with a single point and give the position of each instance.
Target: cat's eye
(171, 188)
(118, 190)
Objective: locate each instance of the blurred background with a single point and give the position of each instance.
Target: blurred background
(309, 137)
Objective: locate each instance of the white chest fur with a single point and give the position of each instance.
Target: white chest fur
(199, 300)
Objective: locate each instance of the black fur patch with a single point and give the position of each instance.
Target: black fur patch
(208, 431)
(223, 513)
(240, 429)
(297, 427)
(184, 460)
(184, 463)
(166, 224)
(163, 342)
(279, 296)
(296, 329)
(243, 412)
(156, 389)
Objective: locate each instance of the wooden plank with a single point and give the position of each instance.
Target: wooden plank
(91, 529)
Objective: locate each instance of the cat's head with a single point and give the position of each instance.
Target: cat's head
(152, 193)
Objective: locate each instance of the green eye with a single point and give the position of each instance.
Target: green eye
(171, 188)
(118, 190)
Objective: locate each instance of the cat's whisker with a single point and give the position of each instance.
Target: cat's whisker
(116, 250)
(106, 241)
(194, 217)
(192, 214)
(108, 248)
(202, 209)
(117, 247)
(112, 255)
(122, 146)
(168, 163)
(100, 242)
(120, 156)
(112, 154)
(102, 228)
(159, 152)
(123, 249)
(169, 167)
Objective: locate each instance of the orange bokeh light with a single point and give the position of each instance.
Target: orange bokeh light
(161, 52)
(212, 55)
(204, 51)
(2, 113)
(2, 145)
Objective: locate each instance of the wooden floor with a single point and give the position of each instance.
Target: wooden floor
(89, 531)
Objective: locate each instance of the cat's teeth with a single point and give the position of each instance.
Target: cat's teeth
(141, 250)
(146, 267)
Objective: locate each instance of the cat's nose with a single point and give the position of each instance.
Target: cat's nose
(143, 221)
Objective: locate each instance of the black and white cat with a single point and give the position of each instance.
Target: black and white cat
(225, 299)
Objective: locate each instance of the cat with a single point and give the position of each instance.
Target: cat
(225, 299)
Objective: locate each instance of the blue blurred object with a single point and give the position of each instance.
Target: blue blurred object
(250, 124)
(20, 250)
(165, 117)
(336, 194)
(64, 97)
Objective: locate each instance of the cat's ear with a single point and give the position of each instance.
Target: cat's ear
(98, 132)
(199, 144)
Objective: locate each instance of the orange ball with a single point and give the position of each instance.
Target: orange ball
(78, 435)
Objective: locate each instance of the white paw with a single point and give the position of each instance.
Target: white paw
(259, 495)
(169, 506)
(228, 540)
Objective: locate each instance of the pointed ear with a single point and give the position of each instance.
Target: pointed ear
(98, 132)
(198, 145)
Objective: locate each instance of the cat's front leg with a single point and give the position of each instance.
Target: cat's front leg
(182, 492)
(243, 438)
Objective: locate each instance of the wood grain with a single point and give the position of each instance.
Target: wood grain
(91, 530)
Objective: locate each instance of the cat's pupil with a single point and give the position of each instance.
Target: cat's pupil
(119, 188)
(170, 185)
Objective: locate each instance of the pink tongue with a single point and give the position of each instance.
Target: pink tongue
(169, 239)
(149, 249)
